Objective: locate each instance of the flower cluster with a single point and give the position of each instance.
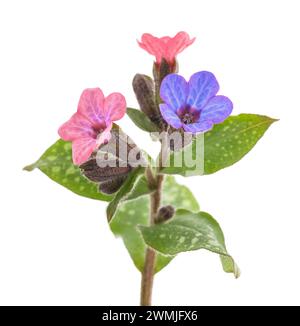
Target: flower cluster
(193, 106)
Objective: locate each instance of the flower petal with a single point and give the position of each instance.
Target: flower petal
(174, 91)
(82, 149)
(114, 107)
(170, 116)
(91, 105)
(197, 127)
(177, 44)
(154, 45)
(165, 47)
(76, 127)
(217, 109)
(202, 86)
(105, 135)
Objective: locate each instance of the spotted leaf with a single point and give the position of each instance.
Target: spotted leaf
(57, 164)
(219, 148)
(132, 213)
(189, 231)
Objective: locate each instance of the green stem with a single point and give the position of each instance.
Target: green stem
(150, 256)
(155, 182)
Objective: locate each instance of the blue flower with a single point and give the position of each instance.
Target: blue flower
(193, 105)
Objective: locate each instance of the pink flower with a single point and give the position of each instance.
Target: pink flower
(90, 126)
(165, 47)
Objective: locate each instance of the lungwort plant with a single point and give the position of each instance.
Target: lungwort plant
(156, 217)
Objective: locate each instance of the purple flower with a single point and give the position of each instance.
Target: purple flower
(193, 105)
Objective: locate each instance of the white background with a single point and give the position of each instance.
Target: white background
(56, 247)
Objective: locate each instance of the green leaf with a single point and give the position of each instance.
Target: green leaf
(57, 164)
(189, 231)
(132, 213)
(221, 147)
(134, 186)
(141, 188)
(228, 142)
(229, 265)
(141, 120)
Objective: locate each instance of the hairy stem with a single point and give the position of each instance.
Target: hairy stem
(149, 267)
(154, 182)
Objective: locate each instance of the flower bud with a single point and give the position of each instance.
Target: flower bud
(96, 173)
(143, 87)
(111, 186)
(164, 214)
(112, 163)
